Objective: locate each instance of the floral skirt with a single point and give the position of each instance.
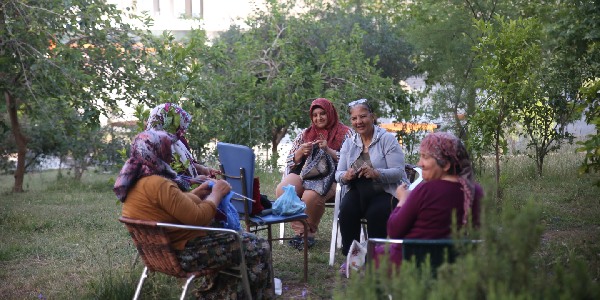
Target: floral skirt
(218, 250)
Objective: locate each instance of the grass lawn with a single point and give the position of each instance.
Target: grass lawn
(62, 240)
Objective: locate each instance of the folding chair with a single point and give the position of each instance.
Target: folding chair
(154, 247)
(414, 176)
(436, 251)
(237, 167)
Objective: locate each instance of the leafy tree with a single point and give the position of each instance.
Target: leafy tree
(577, 28)
(509, 51)
(272, 71)
(383, 40)
(591, 146)
(442, 36)
(77, 52)
(176, 71)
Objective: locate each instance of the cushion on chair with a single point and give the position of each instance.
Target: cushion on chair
(274, 219)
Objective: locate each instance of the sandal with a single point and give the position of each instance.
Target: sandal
(310, 240)
(296, 241)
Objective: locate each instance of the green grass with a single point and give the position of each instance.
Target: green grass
(61, 239)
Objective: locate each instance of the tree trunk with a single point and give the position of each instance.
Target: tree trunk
(276, 137)
(540, 162)
(497, 150)
(20, 140)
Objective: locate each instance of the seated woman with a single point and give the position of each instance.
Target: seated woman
(172, 118)
(371, 166)
(151, 190)
(328, 133)
(448, 191)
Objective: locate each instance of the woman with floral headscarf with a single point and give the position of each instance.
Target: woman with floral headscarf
(150, 190)
(173, 119)
(327, 133)
(448, 191)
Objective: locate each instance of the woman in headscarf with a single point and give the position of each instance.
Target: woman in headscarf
(151, 190)
(171, 118)
(448, 190)
(327, 133)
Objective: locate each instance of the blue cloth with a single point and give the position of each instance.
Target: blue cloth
(232, 220)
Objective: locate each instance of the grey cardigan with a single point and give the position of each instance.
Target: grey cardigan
(386, 156)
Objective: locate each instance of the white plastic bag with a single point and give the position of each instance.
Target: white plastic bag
(356, 257)
(277, 286)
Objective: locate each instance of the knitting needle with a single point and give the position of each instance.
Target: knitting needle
(196, 180)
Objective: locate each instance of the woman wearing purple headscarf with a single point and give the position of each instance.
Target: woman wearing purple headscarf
(448, 191)
(150, 190)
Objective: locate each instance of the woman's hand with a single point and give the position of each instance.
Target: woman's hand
(203, 190)
(303, 151)
(323, 145)
(219, 190)
(402, 193)
(202, 170)
(349, 175)
(368, 172)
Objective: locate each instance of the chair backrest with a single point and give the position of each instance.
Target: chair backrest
(237, 166)
(154, 247)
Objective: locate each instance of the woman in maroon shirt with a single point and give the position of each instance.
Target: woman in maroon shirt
(448, 190)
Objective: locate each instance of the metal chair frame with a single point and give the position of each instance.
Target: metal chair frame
(154, 247)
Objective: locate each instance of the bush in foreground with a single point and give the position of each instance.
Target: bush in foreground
(503, 267)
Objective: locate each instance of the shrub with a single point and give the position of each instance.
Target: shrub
(501, 268)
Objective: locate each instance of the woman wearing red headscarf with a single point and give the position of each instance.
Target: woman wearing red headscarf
(329, 134)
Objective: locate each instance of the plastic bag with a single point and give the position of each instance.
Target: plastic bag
(356, 256)
(288, 203)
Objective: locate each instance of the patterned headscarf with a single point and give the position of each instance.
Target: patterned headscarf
(334, 132)
(448, 149)
(172, 118)
(150, 154)
(169, 117)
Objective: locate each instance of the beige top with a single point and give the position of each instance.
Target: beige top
(155, 198)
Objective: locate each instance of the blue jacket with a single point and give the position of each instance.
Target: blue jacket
(386, 156)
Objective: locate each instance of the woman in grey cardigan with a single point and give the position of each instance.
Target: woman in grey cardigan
(370, 168)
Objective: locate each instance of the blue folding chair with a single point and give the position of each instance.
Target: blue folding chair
(237, 167)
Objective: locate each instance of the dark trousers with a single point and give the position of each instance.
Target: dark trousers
(364, 201)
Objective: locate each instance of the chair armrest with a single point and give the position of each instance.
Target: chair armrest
(423, 241)
(192, 227)
(127, 220)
